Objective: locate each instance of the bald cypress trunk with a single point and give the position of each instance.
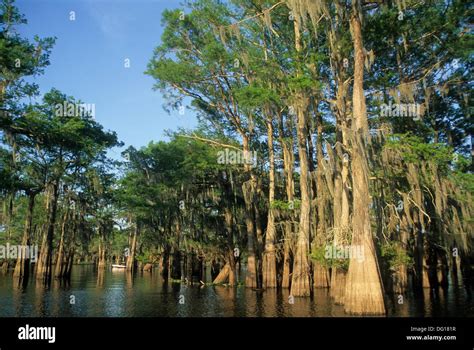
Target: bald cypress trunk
(363, 293)
(131, 261)
(44, 266)
(341, 212)
(230, 256)
(300, 283)
(249, 189)
(102, 249)
(286, 142)
(321, 276)
(269, 255)
(60, 260)
(22, 267)
(251, 277)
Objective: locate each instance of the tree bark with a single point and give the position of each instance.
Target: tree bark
(286, 142)
(223, 275)
(363, 293)
(300, 284)
(228, 217)
(60, 260)
(249, 188)
(321, 277)
(22, 267)
(102, 249)
(269, 256)
(131, 263)
(44, 266)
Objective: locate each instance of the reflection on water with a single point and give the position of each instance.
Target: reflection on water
(118, 294)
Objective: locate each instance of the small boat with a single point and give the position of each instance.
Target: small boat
(115, 266)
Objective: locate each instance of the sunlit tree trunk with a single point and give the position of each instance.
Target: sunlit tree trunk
(131, 263)
(249, 189)
(102, 249)
(300, 284)
(269, 256)
(321, 277)
(363, 293)
(44, 266)
(22, 267)
(228, 217)
(228, 273)
(60, 259)
(286, 143)
(9, 219)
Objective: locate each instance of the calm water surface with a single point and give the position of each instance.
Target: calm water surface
(117, 294)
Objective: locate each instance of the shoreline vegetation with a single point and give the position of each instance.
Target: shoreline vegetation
(296, 176)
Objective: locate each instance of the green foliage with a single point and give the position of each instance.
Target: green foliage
(253, 96)
(302, 83)
(285, 205)
(415, 150)
(19, 58)
(465, 182)
(327, 256)
(395, 255)
(173, 72)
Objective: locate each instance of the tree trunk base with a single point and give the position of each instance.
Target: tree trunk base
(269, 270)
(321, 276)
(223, 275)
(251, 275)
(338, 285)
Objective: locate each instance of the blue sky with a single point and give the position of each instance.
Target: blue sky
(88, 61)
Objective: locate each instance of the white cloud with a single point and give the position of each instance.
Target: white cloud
(112, 20)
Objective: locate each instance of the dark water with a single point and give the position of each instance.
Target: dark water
(117, 294)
